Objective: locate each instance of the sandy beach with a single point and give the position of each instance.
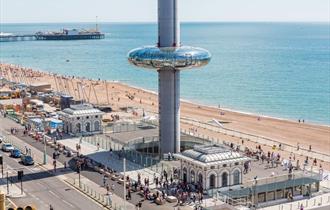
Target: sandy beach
(280, 131)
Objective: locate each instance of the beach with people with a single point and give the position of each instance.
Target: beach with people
(297, 138)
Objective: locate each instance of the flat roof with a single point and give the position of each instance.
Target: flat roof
(273, 186)
(125, 137)
(38, 84)
(80, 110)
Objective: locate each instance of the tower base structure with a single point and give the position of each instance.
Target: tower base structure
(169, 109)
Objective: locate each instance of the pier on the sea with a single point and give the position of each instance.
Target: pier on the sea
(12, 37)
(37, 36)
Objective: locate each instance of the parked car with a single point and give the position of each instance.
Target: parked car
(7, 147)
(15, 153)
(27, 160)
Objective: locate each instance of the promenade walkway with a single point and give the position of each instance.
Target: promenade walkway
(110, 160)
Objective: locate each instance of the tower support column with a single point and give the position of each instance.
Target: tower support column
(169, 110)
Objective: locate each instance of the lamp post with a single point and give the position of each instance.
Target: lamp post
(124, 168)
(79, 169)
(45, 151)
(254, 186)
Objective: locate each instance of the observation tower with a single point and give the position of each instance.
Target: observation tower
(168, 58)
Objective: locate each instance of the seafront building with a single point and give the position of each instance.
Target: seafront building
(212, 166)
(81, 119)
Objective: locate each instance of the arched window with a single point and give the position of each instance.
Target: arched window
(192, 176)
(184, 175)
(237, 179)
(88, 127)
(224, 179)
(96, 126)
(200, 179)
(78, 127)
(212, 181)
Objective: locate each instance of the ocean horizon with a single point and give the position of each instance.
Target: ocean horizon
(277, 69)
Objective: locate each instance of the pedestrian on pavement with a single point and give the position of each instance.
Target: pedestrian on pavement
(30, 152)
(139, 205)
(54, 164)
(64, 164)
(110, 152)
(108, 189)
(51, 207)
(104, 180)
(129, 196)
(301, 207)
(113, 187)
(98, 146)
(26, 150)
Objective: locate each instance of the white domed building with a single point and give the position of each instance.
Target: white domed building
(82, 119)
(211, 166)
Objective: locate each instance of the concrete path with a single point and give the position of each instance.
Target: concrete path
(112, 161)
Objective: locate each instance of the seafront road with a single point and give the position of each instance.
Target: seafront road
(41, 187)
(89, 177)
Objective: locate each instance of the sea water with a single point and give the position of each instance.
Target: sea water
(274, 69)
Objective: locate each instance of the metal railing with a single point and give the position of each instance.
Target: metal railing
(99, 197)
(318, 201)
(119, 127)
(258, 139)
(150, 163)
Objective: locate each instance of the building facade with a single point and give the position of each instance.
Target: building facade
(211, 166)
(82, 119)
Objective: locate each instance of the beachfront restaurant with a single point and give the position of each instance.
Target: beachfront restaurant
(273, 190)
(211, 166)
(81, 119)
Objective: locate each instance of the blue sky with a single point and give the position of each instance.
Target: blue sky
(23, 11)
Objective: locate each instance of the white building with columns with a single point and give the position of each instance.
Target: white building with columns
(81, 119)
(212, 166)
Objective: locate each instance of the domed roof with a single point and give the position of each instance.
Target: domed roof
(212, 153)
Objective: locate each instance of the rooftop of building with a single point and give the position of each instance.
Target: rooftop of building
(81, 109)
(211, 154)
(12, 101)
